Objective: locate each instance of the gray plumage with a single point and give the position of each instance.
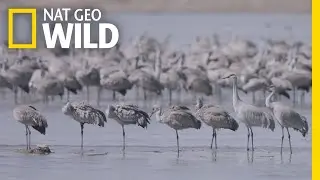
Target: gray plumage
(178, 118)
(215, 117)
(128, 114)
(116, 81)
(287, 117)
(84, 114)
(250, 115)
(30, 116)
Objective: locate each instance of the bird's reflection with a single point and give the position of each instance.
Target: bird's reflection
(250, 156)
(214, 155)
(289, 158)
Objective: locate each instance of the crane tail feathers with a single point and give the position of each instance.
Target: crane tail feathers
(123, 92)
(25, 88)
(284, 93)
(269, 122)
(40, 128)
(234, 125)
(304, 130)
(198, 124)
(74, 91)
(143, 122)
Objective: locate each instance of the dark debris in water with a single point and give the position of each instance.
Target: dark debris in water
(41, 150)
(98, 154)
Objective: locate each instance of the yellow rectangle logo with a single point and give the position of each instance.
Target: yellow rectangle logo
(33, 13)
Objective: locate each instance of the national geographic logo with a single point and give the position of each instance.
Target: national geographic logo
(65, 27)
(11, 13)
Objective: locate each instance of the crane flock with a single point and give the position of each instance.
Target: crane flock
(151, 66)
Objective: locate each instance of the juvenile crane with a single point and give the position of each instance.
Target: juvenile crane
(250, 115)
(30, 116)
(178, 118)
(215, 117)
(128, 114)
(84, 114)
(287, 117)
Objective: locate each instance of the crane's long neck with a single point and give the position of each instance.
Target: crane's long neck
(235, 98)
(268, 99)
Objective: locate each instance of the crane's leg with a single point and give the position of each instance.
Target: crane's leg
(113, 95)
(178, 148)
(170, 97)
(68, 95)
(294, 96)
(248, 138)
(137, 93)
(15, 91)
(302, 98)
(88, 93)
(251, 139)
(282, 140)
(179, 91)
(81, 126)
(27, 138)
(29, 132)
(215, 139)
(213, 135)
(98, 95)
(289, 140)
(123, 139)
(253, 97)
(144, 94)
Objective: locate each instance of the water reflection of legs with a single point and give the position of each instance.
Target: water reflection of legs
(289, 158)
(250, 156)
(214, 155)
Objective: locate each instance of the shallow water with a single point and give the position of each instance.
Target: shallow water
(151, 153)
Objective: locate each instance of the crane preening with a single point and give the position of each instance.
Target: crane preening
(30, 116)
(287, 117)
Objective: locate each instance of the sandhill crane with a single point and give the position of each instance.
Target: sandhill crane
(299, 81)
(89, 76)
(215, 117)
(128, 114)
(172, 81)
(84, 114)
(250, 115)
(287, 117)
(178, 118)
(196, 80)
(282, 85)
(18, 76)
(146, 81)
(116, 81)
(30, 116)
(46, 84)
(253, 85)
